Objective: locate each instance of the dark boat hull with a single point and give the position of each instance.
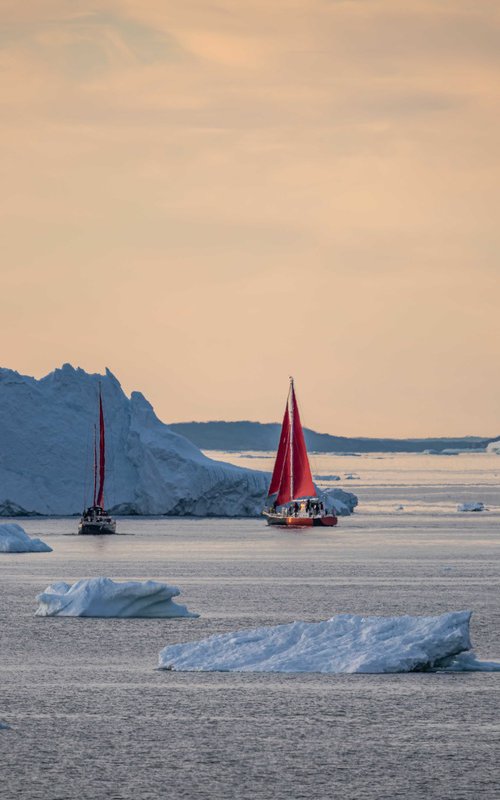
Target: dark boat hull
(95, 529)
(327, 521)
(96, 522)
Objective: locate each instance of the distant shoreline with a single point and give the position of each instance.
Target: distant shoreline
(263, 437)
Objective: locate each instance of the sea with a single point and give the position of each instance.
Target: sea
(92, 718)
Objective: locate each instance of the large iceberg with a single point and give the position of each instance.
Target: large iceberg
(46, 429)
(343, 644)
(103, 597)
(14, 539)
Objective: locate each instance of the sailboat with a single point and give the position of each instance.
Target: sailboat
(292, 495)
(95, 520)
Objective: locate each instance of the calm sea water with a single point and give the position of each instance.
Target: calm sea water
(92, 718)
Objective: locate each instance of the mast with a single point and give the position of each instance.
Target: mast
(290, 449)
(102, 454)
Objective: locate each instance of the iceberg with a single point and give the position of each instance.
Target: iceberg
(4, 726)
(494, 447)
(346, 643)
(14, 539)
(46, 430)
(103, 597)
(341, 502)
(477, 506)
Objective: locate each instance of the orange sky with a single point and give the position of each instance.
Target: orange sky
(207, 196)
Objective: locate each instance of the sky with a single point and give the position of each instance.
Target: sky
(208, 196)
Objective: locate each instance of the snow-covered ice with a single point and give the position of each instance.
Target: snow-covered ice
(103, 597)
(14, 539)
(345, 643)
(477, 506)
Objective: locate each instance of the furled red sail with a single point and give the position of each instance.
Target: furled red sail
(291, 477)
(102, 455)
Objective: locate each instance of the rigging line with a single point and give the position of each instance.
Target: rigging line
(312, 455)
(290, 422)
(111, 454)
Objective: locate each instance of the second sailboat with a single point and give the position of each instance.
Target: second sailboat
(95, 520)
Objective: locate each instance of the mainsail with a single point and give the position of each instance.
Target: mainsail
(291, 477)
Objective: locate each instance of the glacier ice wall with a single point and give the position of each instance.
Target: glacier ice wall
(46, 433)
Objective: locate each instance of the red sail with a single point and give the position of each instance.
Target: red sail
(281, 455)
(303, 485)
(102, 457)
(292, 477)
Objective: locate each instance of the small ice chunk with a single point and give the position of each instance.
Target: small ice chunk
(477, 506)
(4, 726)
(14, 539)
(468, 662)
(103, 597)
(345, 643)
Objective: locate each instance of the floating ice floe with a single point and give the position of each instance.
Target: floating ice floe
(341, 502)
(477, 506)
(14, 539)
(103, 597)
(343, 644)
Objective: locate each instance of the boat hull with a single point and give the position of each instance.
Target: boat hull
(96, 528)
(96, 522)
(327, 521)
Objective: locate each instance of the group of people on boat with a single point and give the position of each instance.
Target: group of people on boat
(310, 507)
(96, 511)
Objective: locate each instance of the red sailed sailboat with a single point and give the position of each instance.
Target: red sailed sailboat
(95, 520)
(292, 494)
